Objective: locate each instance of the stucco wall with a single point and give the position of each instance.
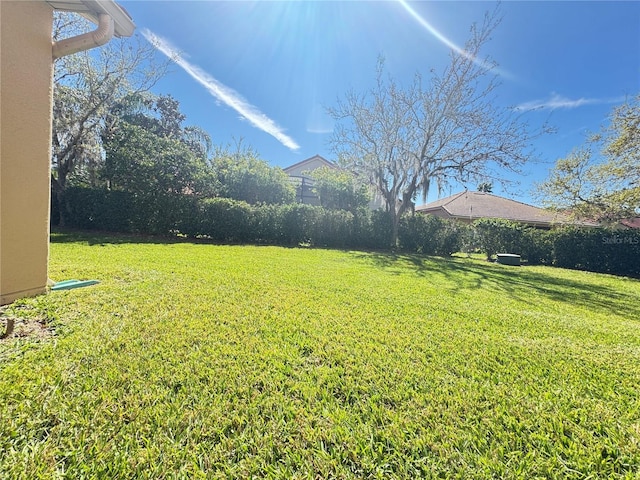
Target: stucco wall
(25, 146)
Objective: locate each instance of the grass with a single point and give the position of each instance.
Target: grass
(207, 361)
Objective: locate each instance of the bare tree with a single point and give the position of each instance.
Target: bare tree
(434, 132)
(86, 86)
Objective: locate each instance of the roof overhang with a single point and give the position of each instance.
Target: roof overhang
(92, 9)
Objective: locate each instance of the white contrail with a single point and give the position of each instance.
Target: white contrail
(433, 31)
(221, 92)
(558, 101)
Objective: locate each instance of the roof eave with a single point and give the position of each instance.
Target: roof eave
(91, 9)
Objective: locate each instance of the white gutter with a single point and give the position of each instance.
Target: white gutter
(124, 26)
(79, 43)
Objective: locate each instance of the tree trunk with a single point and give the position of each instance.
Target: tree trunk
(58, 189)
(395, 221)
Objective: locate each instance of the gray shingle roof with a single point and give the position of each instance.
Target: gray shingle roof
(474, 205)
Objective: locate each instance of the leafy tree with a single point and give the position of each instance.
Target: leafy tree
(140, 161)
(437, 130)
(600, 180)
(485, 187)
(242, 175)
(161, 116)
(148, 150)
(86, 86)
(339, 189)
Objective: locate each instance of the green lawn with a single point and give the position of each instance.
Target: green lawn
(206, 361)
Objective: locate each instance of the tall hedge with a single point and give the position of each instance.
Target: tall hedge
(430, 235)
(225, 220)
(494, 235)
(116, 211)
(605, 250)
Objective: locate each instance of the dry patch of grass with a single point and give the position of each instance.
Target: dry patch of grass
(14, 325)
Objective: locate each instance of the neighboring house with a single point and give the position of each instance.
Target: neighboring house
(26, 72)
(631, 222)
(468, 206)
(299, 176)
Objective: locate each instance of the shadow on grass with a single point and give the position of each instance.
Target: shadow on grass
(98, 237)
(64, 235)
(522, 283)
(101, 238)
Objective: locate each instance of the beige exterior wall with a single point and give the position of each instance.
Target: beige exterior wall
(25, 146)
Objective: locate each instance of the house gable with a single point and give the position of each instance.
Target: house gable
(299, 176)
(310, 164)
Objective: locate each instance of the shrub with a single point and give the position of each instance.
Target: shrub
(95, 209)
(377, 231)
(268, 224)
(430, 235)
(227, 220)
(492, 235)
(450, 238)
(118, 211)
(496, 235)
(333, 228)
(298, 222)
(157, 213)
(537, 246)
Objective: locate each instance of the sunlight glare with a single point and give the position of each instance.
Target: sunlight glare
(433, 31)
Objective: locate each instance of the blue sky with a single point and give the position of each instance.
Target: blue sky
(264, 71)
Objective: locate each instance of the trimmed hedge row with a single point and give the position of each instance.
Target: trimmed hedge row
(222, 219)
(491, 236)
(115, 211)
(603, 250)
(226, 220)
(431, 235)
